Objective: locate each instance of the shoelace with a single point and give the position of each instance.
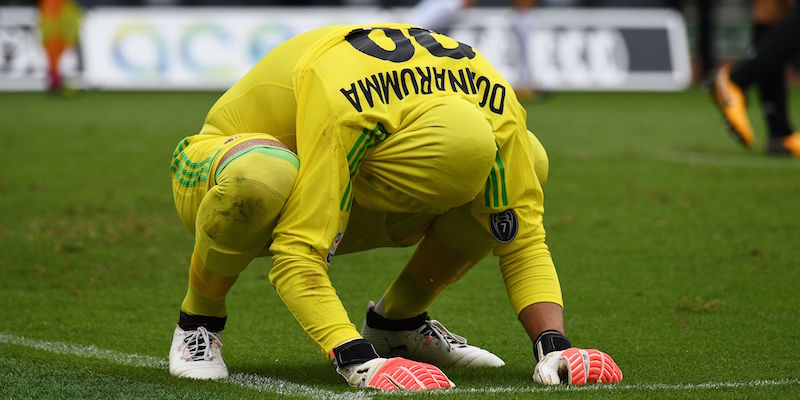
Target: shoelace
(198, 344)
(438, 330)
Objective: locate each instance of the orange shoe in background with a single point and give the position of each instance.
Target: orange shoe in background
(788, 145)
(731, 102)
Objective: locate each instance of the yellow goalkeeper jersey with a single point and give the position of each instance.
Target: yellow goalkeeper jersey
(334, 94)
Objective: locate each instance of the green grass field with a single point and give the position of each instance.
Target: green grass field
(678, 254)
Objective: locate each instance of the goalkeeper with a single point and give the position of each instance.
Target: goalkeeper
(349, 138)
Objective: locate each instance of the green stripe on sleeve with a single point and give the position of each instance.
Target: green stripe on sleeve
(349, 203)
(368, 139)
(486, 191)
(493, 177)
(502, 171)
(357, 144)
(346, 195)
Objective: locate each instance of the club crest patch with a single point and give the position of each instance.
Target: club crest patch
(504, 226)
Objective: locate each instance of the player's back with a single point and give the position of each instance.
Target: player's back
(388, 73)
(363, 75)
(263, 100)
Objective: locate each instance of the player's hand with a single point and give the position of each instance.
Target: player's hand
(395, 374)
(358, 362)
(575, 366)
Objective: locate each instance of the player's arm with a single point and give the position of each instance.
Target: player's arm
(302, 241)
(308, 225)
(304, 287)
(527, 266)
(534, 291)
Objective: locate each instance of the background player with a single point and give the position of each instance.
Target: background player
(437, 15)
(400, 136)
(776, 38)
(59, 22)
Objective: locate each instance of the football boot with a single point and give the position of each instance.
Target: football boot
(426, 341)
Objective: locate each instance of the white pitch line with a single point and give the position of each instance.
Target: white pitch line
(281, 387)
(618, 387)
(251, 381)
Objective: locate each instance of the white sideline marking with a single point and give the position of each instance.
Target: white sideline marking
(281, 387)
(621, 387)
(260, 383)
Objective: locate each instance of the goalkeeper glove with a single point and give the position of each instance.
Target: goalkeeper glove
(361, 366)
(559, 362)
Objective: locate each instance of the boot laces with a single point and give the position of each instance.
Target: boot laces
(435, 329)
(198, 344)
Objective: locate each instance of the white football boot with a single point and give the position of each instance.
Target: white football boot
(431, 343)
(197, 354)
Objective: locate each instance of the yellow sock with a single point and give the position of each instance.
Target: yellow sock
(207, 290)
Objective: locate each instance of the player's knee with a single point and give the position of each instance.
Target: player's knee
(244, 206)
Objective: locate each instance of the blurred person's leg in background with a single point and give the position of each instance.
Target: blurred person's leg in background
(705, 42)
(437, 15)
(521, 27)
(59, 23)
(765, 65)
(704, 23)
(776, 36)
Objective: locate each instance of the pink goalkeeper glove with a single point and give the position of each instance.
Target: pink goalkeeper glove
(396, 374)
(358, 363)
(575, 366)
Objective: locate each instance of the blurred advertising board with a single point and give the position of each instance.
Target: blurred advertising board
(194, 48)
(165, 48)
(583, 49)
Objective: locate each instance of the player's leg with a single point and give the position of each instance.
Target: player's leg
(59, 23)
(233, 221)
(405, 330)
(437, 15)
(772, 47)
(521, 28)
(52, 40)
(54, 47)
(772, 84)
(399, 325)
(370, 229)
(453, 244)
(766, 60)
(436, 163)
(772, 90)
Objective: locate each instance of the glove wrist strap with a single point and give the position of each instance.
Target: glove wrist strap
(357, 351)
(549, 341)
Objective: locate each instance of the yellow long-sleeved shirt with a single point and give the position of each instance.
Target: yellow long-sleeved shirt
(332, 95)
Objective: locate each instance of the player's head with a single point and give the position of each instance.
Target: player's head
(438, 159)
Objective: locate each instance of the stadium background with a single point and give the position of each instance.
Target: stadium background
(141, 51)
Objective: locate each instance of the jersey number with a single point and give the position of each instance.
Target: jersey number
(404, 49)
